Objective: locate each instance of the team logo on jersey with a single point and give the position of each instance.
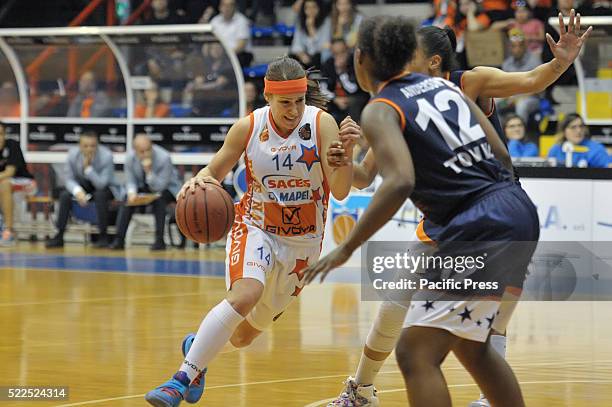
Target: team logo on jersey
(291, 215)
(309, 156)
(305, 132)
(264, 135)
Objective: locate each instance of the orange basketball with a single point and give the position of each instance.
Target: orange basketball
(205, 215)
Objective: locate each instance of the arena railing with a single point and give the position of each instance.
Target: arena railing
(183, 64)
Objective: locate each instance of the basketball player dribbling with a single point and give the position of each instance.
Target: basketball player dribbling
(424, 159)
(435, 51)
(279, 222)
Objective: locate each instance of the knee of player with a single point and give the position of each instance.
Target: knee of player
(244, 295)
(5, 183)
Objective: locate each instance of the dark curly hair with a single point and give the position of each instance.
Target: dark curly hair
(442, 42)
(389, 41)
(285, 68)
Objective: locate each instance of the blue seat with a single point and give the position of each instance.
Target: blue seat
(262, 32)
(256, 71)
(178, 110)
(284, 30)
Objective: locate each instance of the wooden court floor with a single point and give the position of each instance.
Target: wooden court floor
(111, 335)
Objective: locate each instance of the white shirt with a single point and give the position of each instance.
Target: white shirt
(238, 28)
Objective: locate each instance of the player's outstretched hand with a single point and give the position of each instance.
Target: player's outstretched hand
(568, 47)
(334, 259)
(195, 182)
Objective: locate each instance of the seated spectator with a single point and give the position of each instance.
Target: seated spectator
(9, 100)
(13, 174)
(340, 84)
(531, 27)
(152, 105)
(345, 21)
(469, 17)
(253, 97)
(573, 138)
(89, 102)
(310, 43)
(234, 28)
(148, 169)
(214, 76)
(90, 174)
(520, 60)
(161, 14)
(518, 143)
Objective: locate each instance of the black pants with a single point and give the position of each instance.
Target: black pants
(102, 199)
(159, 211)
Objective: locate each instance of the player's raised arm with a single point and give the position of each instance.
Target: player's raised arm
(340, 178)
(226, 158)
(492, 82)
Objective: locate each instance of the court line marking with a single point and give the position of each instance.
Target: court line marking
(111, 272)
(99, 299)
(451, 386)
(317, 403)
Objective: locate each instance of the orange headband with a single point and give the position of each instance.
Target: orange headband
(286, 87)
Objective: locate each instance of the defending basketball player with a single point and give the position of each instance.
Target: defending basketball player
(279, 222)
(435, 52)
(474, 201)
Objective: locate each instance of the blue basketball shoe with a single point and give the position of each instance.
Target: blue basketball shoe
(197, 386)
(171, 393)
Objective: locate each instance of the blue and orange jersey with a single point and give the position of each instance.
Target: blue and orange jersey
(486, 104)
(453, 161)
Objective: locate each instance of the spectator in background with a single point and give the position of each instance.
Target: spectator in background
(234, 28)
(89, 102)
(90, 174)
(151, 105)
(443, 10)
(14, 175)
(345, 20)
(161, 13)
(9, 100)
(340, 84)
(253, 97)
(214, 74)
(518, 143)
(148, 169)
(310, 43)
(573, 136)
(469, 17)
(520, 60)
(530, 26)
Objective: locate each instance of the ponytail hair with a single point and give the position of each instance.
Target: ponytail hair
(441, 42)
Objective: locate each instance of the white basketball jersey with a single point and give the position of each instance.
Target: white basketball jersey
(287, 193)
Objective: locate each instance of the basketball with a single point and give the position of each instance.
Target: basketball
(205, 215)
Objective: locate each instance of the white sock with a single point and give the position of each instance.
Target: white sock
(215, 331)
(498, 342)
(367, 370)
